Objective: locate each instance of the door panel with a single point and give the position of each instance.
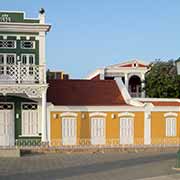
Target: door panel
(68, 131)
(126, 131)
(98, 131)
(6, 125)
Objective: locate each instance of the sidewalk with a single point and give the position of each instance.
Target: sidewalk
(170, 177)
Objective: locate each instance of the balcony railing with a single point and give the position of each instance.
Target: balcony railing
(135, 94)
(12, 74)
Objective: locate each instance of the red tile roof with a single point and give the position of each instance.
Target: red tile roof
(163, 103)
(84, 92)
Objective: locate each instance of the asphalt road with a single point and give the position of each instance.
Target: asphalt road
(107, 166)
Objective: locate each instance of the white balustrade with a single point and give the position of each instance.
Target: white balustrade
(22, 74)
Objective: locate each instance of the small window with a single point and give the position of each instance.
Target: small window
(1, 70)
(10, 59)
(1, 59)
(24, 59)
(28, 59)
(170, 126)
(6, 106)
(31, 59)
(29, 106)
(7, 44)
(135, 65)
(27, 44)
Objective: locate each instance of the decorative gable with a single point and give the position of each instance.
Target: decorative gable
(130, 64)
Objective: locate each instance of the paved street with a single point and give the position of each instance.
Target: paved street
(116, 166)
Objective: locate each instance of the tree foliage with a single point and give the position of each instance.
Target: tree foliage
(162, 81)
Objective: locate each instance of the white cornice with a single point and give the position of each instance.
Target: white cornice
(24, 27)
(103, 109)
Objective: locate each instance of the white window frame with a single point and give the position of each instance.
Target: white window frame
(69, 135)
(4, 65)
(97, 137)
(23, 124)
(27, 58)
(171, 126)
(8, 47)
(125, 133)
(22, 47)
(5, 58)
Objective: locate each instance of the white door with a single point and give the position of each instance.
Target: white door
(126, 131)
(97, 130)
(6, 125)
(68, 131)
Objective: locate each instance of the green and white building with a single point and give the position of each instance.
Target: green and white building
(22, 78)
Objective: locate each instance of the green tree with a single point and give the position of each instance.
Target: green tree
(162, 81)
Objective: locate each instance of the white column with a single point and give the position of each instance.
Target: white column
(44, 118)
(147, 126)
(126, 80)
(142, 85)
(42, 56)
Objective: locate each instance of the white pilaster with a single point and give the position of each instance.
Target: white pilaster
(44, 118)
(147, 125)
(142, 85)
(126, 80)
(42, 54)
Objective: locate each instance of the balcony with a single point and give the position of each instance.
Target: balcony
(22, 74)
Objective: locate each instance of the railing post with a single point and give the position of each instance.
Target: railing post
(19, 73)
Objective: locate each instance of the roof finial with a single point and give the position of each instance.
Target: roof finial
(42, 11)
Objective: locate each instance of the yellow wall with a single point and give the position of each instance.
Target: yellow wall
(139, 128)
(84, 128)
(158, 129)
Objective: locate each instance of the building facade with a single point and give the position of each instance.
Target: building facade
(101, 112)
(22, 77)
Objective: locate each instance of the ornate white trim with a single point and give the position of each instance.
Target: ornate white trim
(68, 114)
(97, 114)
(30, 91)
(126, 114)
(170, 114)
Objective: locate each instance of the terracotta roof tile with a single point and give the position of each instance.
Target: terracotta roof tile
(84, 92)
(163, 103)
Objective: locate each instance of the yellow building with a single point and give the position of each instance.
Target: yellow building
(101, 112)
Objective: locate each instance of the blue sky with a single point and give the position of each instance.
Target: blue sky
(88, 34)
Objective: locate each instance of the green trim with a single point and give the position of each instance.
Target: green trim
(16, 17)
(18, 33)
